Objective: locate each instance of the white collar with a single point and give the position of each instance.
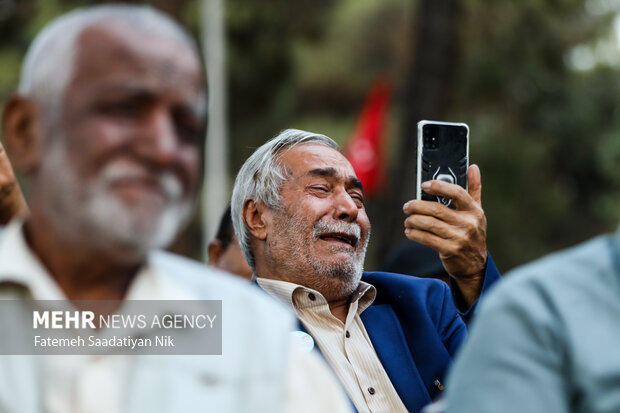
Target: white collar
(20, 265)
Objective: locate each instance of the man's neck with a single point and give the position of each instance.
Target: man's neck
(81, 272)
(340, 309)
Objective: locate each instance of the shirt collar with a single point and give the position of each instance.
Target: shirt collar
(19, 265)
(298, 296)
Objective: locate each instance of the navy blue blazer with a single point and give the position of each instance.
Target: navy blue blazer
(416, 331)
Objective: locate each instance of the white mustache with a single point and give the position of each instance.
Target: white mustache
(348, 228)
(167, 181)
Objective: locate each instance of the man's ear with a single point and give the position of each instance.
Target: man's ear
(254, 218)
(22, 126)
(215, 251)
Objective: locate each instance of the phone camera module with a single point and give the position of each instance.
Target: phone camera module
(431, 138)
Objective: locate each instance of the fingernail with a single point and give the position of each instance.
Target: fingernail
(406, 205)
(426, 185)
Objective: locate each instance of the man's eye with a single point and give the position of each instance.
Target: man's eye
(188, 126)
(122, 108)
(320, 188)
(189, 132)
(357, 197)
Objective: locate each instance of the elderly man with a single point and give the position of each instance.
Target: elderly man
(298, 212)
(108, 126)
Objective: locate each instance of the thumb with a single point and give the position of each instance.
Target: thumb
(7, 176)
(474, 183)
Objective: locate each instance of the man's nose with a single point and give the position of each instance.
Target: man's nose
(345, 208)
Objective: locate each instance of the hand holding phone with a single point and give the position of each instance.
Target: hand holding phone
(458, 233)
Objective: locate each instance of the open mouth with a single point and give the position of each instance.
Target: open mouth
(141, 185)
(340, 237)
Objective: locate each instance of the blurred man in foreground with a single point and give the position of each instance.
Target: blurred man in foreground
(108, 125)
(224, 250)
(298, 212)
(547, 339)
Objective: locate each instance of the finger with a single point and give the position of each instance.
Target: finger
(474, 183)
(434, 226)
(456, 193)
(445, 247)
(6, 170)
(431, 208)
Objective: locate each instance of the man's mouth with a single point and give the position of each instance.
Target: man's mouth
(340, 237)
(138, 180)
(142, 184)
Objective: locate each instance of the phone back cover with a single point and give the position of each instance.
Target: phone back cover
(443, 150)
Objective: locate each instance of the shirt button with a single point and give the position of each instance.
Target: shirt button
(347, 334)
(371, 390)
(311, 296)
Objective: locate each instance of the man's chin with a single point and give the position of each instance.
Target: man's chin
(137, 232)
(343, 268)
(340, 284)
(132, 244)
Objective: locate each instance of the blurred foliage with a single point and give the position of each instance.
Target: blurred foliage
(537, 81)
(545, 135)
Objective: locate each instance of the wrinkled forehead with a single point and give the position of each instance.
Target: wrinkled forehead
(116, 52)
(104, 40)
(308, 159)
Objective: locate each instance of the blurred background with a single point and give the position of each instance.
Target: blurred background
(538, 82)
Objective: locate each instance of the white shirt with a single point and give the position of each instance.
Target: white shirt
(256, 346)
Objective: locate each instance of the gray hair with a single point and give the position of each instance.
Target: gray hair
(261, 177)
(49, 62)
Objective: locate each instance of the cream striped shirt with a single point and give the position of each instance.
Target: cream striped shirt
(346, 347)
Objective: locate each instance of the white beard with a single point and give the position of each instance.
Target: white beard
(89, 212)
(292, 252)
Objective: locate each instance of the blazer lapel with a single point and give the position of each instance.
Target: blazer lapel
(389, 342)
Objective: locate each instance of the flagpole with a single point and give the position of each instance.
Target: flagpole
(215, 192)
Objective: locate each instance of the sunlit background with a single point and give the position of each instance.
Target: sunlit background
(537, 81)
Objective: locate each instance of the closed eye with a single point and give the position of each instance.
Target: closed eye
(320, 191)
(188, 126)
(320, 188)
(125, 108)
(358, 198)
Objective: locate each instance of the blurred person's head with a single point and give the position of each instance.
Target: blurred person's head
(108, 126)
(225, 252)
(297, 209)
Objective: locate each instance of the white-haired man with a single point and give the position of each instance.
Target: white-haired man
(298, 212)
(107, 125)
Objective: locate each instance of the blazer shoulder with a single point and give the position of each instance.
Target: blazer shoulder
(399, 287)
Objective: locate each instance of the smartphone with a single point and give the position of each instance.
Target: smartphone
(443, 154)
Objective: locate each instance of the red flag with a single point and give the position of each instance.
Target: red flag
(365, 147)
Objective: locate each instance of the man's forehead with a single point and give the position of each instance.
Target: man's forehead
(112, 56)
(312, 159)
(108, 45)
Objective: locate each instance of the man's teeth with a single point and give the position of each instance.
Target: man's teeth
(340, 238)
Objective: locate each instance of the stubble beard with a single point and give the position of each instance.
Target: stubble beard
(89, 213)
(334, 279)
